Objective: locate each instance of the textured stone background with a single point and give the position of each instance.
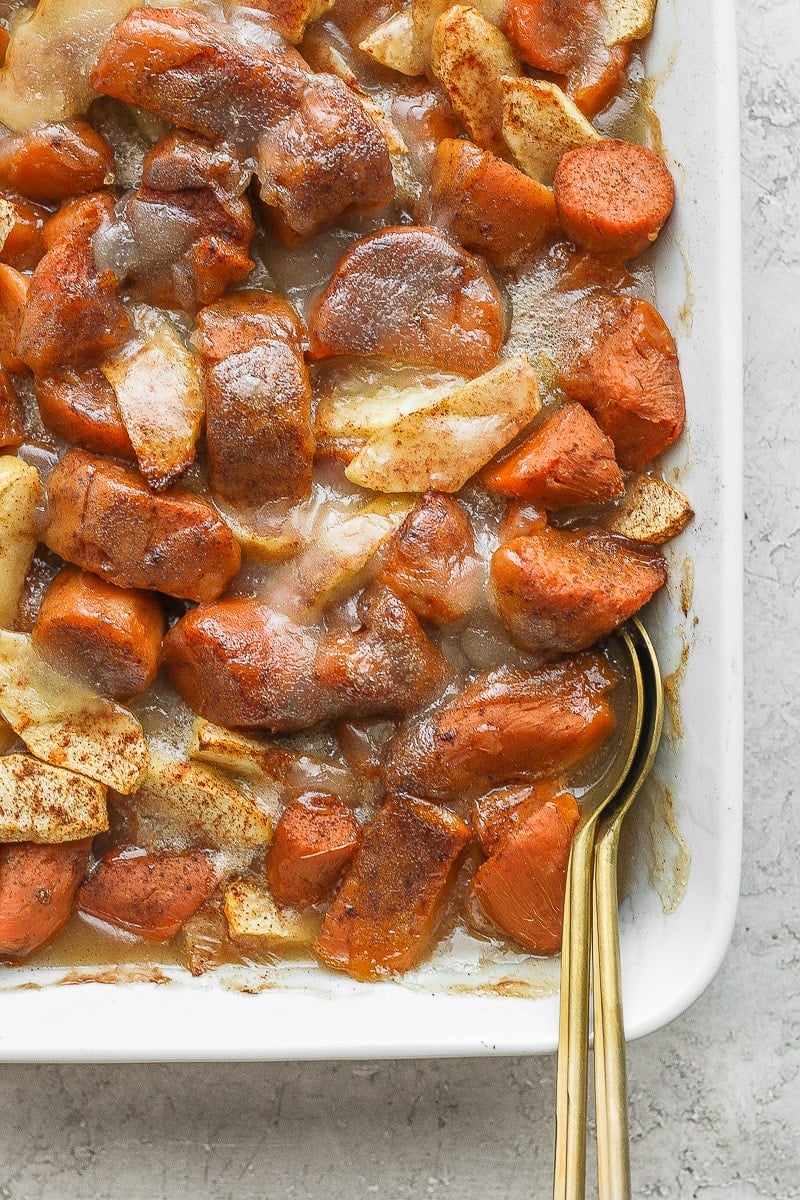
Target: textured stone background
(716, 1096)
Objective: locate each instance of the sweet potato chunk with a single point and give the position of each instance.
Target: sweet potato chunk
(14, 293)
(623, 365)
(430, 560)
(388, 666)
(37, 892)
(53, 162)
(12, 416)
(318, 153)
(81, 406)
(439, 306)
(559, 590)
(24, 221)
(613, 197)
(104, 518)
(150, 895)
(509, 725)
(258, 399)
(314, 842)
(109, 635)
(521, 886)
(73, 309)
(191, 223)
(487, 205)
(566, 37)
(239, 663)
(385, 915)
(568, 461)
(504, 809)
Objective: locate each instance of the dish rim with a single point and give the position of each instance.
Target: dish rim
(63, 1023)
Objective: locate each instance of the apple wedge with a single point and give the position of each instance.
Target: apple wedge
(65, 723)
(469, 57)
(443, 445)
(255, 920)
(159, 390)
(194, 801)
(540, 124)
(650, 511)
(20, 496)
(42, 803)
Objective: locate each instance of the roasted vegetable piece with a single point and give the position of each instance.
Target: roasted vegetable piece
(150, 895)
(567, 37)
(12, 415)
(469, 57)
(43, 803)
(318, 153)
(623, 365)
(21, 493)
(487, 205)
(109, 635)
(521, 886)
(258, 399)
(504, 809)
(53, 162)
(388, 666)
(242, 664)
(411, 295)
(81, 406)
(14, 293)
(561, 590)
(314, 842)
(104, 518)
(24, 222)
(384, 917)
(37, 892)
(430, 561)
(568, 461)
(191, 223)
(73, 309)
(613, 197)
(508, 725)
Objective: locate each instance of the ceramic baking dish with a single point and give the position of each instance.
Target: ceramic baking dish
(683, 852)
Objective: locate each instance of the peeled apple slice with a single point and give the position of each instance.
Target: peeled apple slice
(65, 723)
(41, 803)
(540, 124)
(159, 390)
(443, 445)
(20, 496)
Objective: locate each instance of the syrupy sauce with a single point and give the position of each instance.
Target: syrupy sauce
(540, 300)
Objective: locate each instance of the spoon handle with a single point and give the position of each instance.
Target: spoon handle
(611, 1089)
(569, 1176)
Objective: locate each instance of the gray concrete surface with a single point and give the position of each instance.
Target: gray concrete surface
(716, 1096)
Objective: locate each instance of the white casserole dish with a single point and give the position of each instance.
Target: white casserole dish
(694, 807)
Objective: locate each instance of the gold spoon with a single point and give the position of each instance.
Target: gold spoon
(569, 1175)
(611, 1093)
